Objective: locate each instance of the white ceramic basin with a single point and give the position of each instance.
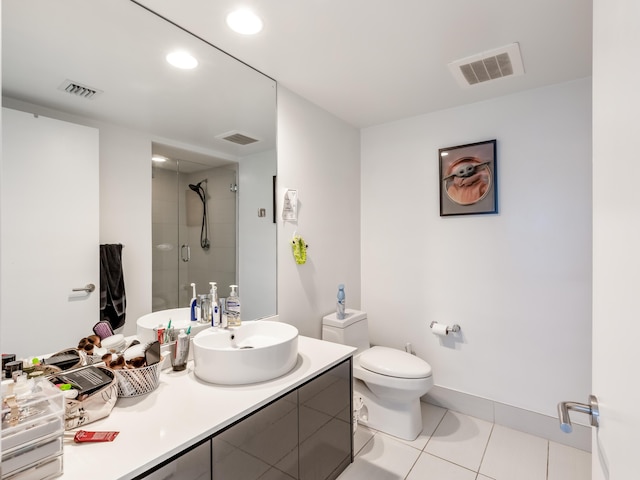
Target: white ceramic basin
(256, 351)
(180, 319)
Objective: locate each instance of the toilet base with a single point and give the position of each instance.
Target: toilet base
(401, 419)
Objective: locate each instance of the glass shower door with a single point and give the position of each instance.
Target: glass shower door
(194, 241)
(165, 239)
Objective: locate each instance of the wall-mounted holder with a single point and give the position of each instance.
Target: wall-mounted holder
(299, 249)
(440, 329)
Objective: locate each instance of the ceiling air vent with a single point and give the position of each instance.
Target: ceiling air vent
(79, 90)
(237, 138)
(501, 62)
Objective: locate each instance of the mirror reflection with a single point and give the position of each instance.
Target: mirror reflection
(194, 226)
(106, 68)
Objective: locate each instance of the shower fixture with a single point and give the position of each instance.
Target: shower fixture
(204, 230)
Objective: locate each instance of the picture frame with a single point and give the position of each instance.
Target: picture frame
(468, 179)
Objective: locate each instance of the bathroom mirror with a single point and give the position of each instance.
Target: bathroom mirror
(104, 65)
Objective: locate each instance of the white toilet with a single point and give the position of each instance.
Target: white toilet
(389, 381)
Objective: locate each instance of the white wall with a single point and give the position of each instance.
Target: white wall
(125, 216)
(518, 283)
(319, 155)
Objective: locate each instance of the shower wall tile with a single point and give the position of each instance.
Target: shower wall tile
(224, 259)
(223, 234)
(223, 210)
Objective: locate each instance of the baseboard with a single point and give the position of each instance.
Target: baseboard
(509, 416)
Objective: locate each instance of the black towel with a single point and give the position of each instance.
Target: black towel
(113, 302)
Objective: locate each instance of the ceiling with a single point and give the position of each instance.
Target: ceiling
(375, 61)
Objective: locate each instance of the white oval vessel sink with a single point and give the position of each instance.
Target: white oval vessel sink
(180, 319)
(256, 351)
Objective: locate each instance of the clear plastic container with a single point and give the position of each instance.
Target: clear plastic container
(32, 434)
(44, 470)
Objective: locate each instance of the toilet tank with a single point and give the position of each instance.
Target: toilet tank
(352, 331)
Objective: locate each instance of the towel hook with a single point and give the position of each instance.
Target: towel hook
(89, 287)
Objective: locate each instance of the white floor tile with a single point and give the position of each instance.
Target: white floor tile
(513, 455)
(429, 467)
(460, 439)
(459, 447)
(566, 463)
(431, 417)
(360, 439)
(382, 458)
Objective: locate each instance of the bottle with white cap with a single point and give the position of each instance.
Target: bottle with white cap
(215, 306)
(233, 308)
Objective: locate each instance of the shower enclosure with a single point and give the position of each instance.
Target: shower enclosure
(194, 229)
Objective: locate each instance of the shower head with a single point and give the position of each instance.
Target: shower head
(199, 190)
(197, 187)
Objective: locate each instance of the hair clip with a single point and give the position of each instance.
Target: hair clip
(299, 249)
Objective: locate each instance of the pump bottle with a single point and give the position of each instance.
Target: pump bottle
(233, 307)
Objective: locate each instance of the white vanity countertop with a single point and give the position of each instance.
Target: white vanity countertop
(182, 411)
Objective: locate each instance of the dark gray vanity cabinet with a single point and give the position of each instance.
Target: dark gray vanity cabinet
(304, 435)
(325, 430)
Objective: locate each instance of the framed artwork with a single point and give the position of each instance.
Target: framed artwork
(468, 179)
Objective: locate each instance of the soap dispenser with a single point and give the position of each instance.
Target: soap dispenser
(216, 316)
(233, 307)
(195, 314)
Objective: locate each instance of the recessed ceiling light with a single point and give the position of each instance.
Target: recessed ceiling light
(159, 158)
(244, 21)
(183, 60)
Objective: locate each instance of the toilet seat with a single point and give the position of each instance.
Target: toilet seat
(393, 363)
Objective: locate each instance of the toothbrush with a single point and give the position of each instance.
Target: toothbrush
(167, 332)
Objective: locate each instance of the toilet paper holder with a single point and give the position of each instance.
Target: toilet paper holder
(450, 329)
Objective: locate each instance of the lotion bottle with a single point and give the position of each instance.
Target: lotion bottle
(233, 308)
(216, 316)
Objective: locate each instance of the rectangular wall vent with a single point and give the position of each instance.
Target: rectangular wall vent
(237, 138)
(486, 66)
(79, 90)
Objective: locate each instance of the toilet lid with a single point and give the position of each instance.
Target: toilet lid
(394, 363)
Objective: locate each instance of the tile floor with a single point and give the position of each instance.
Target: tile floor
(453, 446)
